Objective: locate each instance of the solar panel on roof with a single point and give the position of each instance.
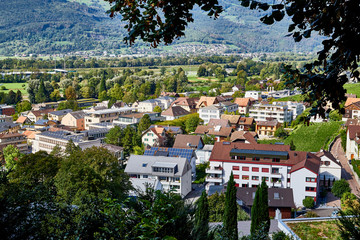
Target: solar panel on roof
(259, 152)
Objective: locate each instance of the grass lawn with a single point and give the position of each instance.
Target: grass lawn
(202, 79)
(296, 98)
(316, 230)
(14, 87)
(353, 88)
(314, 137)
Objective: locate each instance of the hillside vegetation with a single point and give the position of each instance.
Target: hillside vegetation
(59, 26)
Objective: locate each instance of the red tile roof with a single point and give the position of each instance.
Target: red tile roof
(223, 131)
(350, 101)
(183, 141)
(242, 102)
(218, 122)
(175, 112)
(354, 130)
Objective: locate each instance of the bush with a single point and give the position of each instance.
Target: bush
(309, 202)
(280, 236)
(311, 214)
(340, 187)
(355, 164)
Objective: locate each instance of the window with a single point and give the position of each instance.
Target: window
(235, 168)
(255, 178)
(309, 179)
(255, 169)
(242, 157)
(244, 185)
(276, 159)
(327, 163)
(245, 177)
(245, 168)
(274, 170)
(265, 170)
(310, 189)
(288, 180)
(145, 139)
(236, 177)
(256, 159)
(276, 196)
(145, 176)
(265, 178)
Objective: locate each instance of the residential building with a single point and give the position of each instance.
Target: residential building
(153, 137)
(216, 110)
(206, 101)
(119, 104)
(188, 154)
(260, 112)
(106, 115)
(5, 118)
(189, 104)
(232, 119)
(174, 173)
(296, 107)
(276, 164)
(236, 88)
(220, 133)
(58, 115)
(7, 110)
(246, 124)
(135, 117)
(174, 130)
(218, 122)
(203, 154)
(46, 141)
(149, 105)
(35, 115)
(350, 101)
(117, 151)
(352, 111)
(9, 127)
(244, 105)
(244, 137)
(330, 168)
(253, 94)
(75, 120)
(16, 139)
(352, 142)
(188, 141)
(267, 128)
(174, 112)
(278, 198)
(23, 120)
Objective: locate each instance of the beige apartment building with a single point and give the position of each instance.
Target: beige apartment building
(106, 115)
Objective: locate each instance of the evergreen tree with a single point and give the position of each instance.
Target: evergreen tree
(264, 207)
(144, 123)
(102, 86)
(255, 212)
(230, 213)
(18, 97)
(292, 145)
(41, 95)
(202, 218)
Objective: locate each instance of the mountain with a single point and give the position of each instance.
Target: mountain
(61, 26)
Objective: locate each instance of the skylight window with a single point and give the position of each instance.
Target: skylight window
(144, 164)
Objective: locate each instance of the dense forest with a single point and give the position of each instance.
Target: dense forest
(60, 26)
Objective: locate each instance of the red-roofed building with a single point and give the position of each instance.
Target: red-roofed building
(244, 105)
(276, 164)
(352, 142)
(153, 137)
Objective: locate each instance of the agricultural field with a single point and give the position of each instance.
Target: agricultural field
(314, 137)
(353, 88)
(316, 230)
(14, 86)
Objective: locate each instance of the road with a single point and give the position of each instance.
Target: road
(346, 172)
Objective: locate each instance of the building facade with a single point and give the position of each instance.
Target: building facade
(261, 112)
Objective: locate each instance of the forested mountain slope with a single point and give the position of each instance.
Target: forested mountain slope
(60, 26)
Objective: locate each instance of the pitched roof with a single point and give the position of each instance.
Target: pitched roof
(350, 101)
(243, 135)
(353, 106)
(187, 141)
(173, 129)
(268, 123)
(328, 155)
(352, 122)
(41, 112)
(242, 102)
(10, 135)
(30, 134)
(216, 131)
(218, 122)
(354, 130)
(206, 101)
(61, 112)
(170, 152)
(310, 162)
(175, 112)
(186, 101)
(246, 121)
(78, 114)
(233, 119)
(278, 197)
(21, 119)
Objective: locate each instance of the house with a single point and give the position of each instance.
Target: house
(23, 120)
(267, 128)
(262, 111)
(174, 173)
(30, 136)
(16, 139)
(9, 127)
(174, 113)
(135, 117)
(46, 141)
(75, 120)
(244, 137)
(253, 94)
(119, 104)
(149, 105)
(218, 122)
(246, 124)
(5, 118)
(58, 115)
(189, 104)
(174, 130)
(7, 110)
(35, 115)
(216, 110)
(153, 136)
(232, 119)
(352, 142)
(296, 107)
(206, 101)
(276, 164)
(106, 115)
(350, 101)
(278, 198)
(220, 133)
(188, 154)
(352, 122)
(330, 168)
(352, 111)
(117, 151)
(188, 141)
(203, 154)
(244, 105)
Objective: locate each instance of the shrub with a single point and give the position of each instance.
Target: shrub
(309, 202)
(340, 187)
(311, 214)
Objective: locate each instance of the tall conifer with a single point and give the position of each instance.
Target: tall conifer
(230, 212)
(255, 220)
(264, 206)
(202, 218)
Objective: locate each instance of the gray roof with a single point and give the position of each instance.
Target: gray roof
(61, 112)
(112, 148)
(208, 147)
(64, 135)
(141, 164)
(78, 114)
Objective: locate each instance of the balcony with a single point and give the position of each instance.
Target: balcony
(214, 170)
(213, 179)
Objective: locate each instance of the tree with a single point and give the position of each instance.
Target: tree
(230, 213)
(191, 123)
(308, 202)
(114, 136)
(340, 187)
(69, 104)
(292, 146)
(18, 97)
(201, 227)
(41, 94)
(11, 156)
(255, 212)
(70, 93)
(348, 200)
(145, 123)
(208, 139)
(103, 96)
(281, 133)
(23, 106)
(201, 72)
(335, 115)
(264, 207)
(349, 226)
(157, 109)
(55, 95)
(162, 71)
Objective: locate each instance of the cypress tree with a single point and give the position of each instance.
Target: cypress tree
(40, 96)
(230, 212)
(102, 86)
(255, 211)
(201, 228)
(264, 207)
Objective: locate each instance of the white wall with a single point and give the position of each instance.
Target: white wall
(298, 184)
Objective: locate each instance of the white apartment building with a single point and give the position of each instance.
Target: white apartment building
(330, 168)
(261, 112)
(46, 141)
(253, 94)
(216, 110)
(352, 142)
(276, 164)
(295, 107)
(134, 118)
(174, 173)
(149, 105)
(106, 115)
